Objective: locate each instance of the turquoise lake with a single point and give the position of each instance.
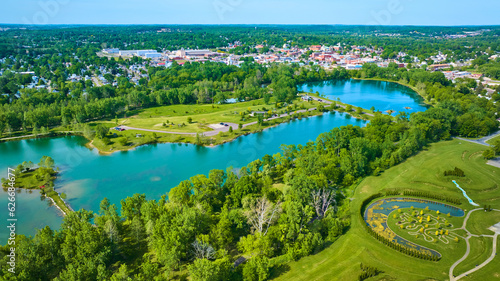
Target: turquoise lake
(381, 95)
(87, 177)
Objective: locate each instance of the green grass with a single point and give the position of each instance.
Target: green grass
(366, 114)
(133, 141)
(60, 203)
(28, 180)
(493, 140)
(489, 272)
(340, 261)
(480, 250)
(202, 115)
(480, 221)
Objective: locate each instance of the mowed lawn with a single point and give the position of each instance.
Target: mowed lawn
(201, 115)
(341, 260)
(493, 140)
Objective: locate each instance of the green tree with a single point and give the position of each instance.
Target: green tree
(256, 269)
(123, 141)
(203, 270)
(181, 193)
(101, 131)
(137, 229)
(123, 274)
(489, 154)
(88, 132)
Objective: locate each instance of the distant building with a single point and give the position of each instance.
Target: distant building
(353, 67)
(111, 51)
(128, 53)
(152, 55)
(438, 66)
(144, 52)
(194, 53)
(315, 48)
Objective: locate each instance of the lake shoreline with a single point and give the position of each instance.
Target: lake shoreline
(91, 146)
(400, 83)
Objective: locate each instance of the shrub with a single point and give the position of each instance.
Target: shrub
(456, 172)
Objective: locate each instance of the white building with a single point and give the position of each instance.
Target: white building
(152, 55)
(144, 52)
(128, 53)
(111, 51)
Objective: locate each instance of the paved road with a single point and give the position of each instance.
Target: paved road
(469, 235)
(483, 140)
(494, 162)
(19, 137)
(155, 131)
(31, 136)
(492, 256)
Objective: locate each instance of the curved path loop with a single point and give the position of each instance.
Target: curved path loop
(469, 235)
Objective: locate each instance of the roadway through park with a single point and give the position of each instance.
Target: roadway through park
(483, 141)
(495, 229)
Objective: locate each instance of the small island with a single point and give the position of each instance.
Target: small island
(41, 176)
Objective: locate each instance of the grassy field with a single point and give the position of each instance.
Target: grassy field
(490, 272)
(341, 260)
(202, 115)
(493, 140)
(365, 113)
(480, 221)
(480, 250)
(174, 118)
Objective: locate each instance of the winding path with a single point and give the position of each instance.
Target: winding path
(469, 235)
(483, 140)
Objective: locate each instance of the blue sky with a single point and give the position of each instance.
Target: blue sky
(375, 12)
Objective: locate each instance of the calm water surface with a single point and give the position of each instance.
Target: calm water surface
(367, 93)
(87, 177)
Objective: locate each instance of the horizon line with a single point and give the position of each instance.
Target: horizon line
(247, 24)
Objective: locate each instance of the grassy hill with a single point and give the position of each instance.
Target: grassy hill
(425, 171)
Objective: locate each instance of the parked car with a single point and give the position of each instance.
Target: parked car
(226, 125)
